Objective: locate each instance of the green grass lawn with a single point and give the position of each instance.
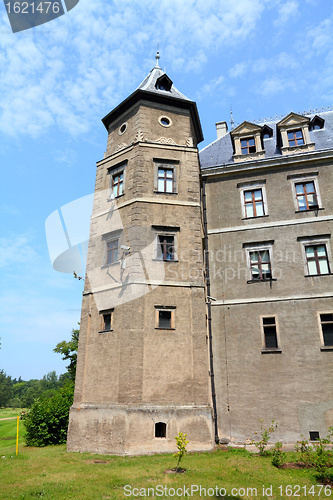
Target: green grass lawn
(53, 473)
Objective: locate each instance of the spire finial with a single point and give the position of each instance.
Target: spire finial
(157, 55)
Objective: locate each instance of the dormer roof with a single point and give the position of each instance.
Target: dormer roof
(292, 119)
(245, 128)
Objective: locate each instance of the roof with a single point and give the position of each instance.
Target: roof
(167, 94)
(220, 152)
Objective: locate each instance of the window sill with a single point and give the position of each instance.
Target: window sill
(105, 331)
(116, 197)
(262, 280)
(309, 210)
(317, 275)
(164, 192)
(168, 329)
(326, 348)
(110, 265)
(272, 350)
(255, 217)
(165, 260)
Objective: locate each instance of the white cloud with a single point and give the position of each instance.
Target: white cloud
(238, 70)
(17, 251)
(65, 72)
(286, 11)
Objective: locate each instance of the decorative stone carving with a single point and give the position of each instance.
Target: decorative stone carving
(166, 140)
(120, 147)
(189, 142)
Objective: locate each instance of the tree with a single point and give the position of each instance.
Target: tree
(47, 420)
(69, 351)
(5, 388)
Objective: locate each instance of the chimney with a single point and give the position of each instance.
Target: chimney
(221, 129)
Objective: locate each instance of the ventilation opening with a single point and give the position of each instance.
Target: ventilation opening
(160, 430)
(314, 435)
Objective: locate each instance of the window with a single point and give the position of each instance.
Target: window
(165, 180)
(306, 195)
(117, 188)
(317, 259)
(254, 203)
(326, 322)
(160, 430)
(295, 137)
(248, 145)
(165, 247)
(260, 265)
(106, 320)
(165, 317)
(112, 251)
(269, 327)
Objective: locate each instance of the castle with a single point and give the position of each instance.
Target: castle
(208, 294)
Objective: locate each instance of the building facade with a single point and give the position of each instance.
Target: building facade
(142, 358)
(208, 294)
(268, 191)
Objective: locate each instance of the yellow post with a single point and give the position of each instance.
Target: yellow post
(17, 433)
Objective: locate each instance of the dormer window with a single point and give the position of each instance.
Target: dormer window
(247, 142)
(295, 138)
(317, 123)
(248, 146)
(293, 134)
(163, 83)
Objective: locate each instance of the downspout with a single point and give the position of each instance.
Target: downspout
(209, 311)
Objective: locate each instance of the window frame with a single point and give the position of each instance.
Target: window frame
(317, 259)
(161, 164)
(305, 179)
(104, 313)
(248, 146)
(324, 346)
(259, 247)
(165, 231)
(293, 131)
(109, 238)
(264, 348)
(171, 309)
(114, 172)
(253, 186)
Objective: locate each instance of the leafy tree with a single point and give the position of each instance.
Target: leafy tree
(5, 388)
(69, 351)
(47, 420)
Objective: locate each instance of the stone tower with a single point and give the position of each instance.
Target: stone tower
(142, 373)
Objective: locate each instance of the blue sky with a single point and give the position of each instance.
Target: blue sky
(261, 57)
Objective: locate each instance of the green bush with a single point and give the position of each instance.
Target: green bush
(47, 420)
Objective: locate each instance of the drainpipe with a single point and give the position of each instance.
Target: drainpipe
(209, 312)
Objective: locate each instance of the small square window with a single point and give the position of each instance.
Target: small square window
(326, 322)
(295, 137)
(106, 320)
(165, 317)
(248, 145)
(165, 180)
(270, 332)
(317, 259)
(112, 251)
(117, 185)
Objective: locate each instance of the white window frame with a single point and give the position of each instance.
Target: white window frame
(252, 186)
(313, 241)
(258, 247)
(165, 232)
(113, 172)
(263, 339)
(171, 309)
(305, 178)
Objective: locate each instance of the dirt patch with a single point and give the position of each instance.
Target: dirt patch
(295, 465)
(98, 461)
(175, 471)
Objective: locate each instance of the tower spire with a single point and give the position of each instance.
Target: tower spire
(157, 57)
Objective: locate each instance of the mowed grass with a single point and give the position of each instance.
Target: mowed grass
(54, 473)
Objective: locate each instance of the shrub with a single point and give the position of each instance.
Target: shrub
(47, 420)
(265, 435)
(181, 445)
(278, 457)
